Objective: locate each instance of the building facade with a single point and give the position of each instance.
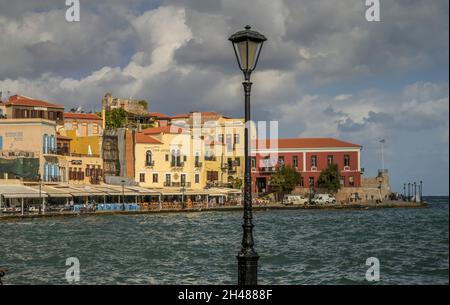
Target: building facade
(22, 107)
(219, 143)
(33, 137)
(310, 156)
(165, 158)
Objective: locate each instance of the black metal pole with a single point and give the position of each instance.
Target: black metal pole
(420, 191)
(247, 257)
(404, 191)
(415, 191)
(409, 191)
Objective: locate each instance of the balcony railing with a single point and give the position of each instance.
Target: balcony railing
(267, 169)
(177, 165)
(198, 164)
(151, 163)
(50, 151)
(177, 184)
(210, 158)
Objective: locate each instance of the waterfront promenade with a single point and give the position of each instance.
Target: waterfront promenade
(224, 208)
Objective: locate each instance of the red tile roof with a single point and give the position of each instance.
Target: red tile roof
(146, 139)
(21, 100)
(158, 115)
(202, 113)
(84, 116)
(181, 116)
(309, 143)
(163, 129)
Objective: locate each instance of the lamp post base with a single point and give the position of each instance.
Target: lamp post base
(247, 269)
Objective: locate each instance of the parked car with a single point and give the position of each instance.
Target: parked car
(294, 199)
(323, 199)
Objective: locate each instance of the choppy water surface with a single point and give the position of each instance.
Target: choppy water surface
(296, 247)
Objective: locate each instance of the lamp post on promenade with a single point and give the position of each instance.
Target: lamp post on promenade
(123, 195)
(420, 190)
(409, 191)
(415, 191)
(247, 46)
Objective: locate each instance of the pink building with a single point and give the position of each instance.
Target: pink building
(309, 156)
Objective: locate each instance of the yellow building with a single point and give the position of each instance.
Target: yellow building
(80, 149)
(33, 138)
(222, 146)
(164, 158)
(85, 130)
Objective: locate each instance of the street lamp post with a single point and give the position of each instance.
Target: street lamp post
(409, 191)
(420, 191)
(123, 195)
(183, 189)
(247, 46)
(404, 191)
(415, 191)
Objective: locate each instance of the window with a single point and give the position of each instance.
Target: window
(265, 162)
(314, 161)
(302, 182)
(88, 171)
(281, 160)
(237, 161)
(167, 179)
(45, 143)
(95, 129)
(183, 179)
(295, 161)
(197, 160)
(342, 180)
(236, 138)
(155, 178)
(148, 158)
(229, 142)
(184, 158)
(142, 177)
(351, 181)
(253, 162)
(197, 178)
(311, 181)
(346, 160)
(167, 157)
(330, 159)
(220, 138)
(212, 175)
(176, 158)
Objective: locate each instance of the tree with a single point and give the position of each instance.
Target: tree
(329, 179)
(116, 118)
(284, 181)
(236, 182)
(144, 104)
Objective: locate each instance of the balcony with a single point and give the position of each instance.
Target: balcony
(210, 158)
(177, 165)
(177, 184)
(50, 151)
(198, 164)
(267, 169)
(95, 179)
(150, 164)
(231, 171)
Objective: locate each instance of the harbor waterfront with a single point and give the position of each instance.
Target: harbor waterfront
(299, 246)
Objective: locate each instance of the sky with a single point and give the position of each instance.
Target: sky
(325, 71)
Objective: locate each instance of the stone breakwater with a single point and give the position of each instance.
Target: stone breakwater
(268, 207)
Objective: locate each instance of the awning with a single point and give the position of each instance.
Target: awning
(20, 191)
(53, 192)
